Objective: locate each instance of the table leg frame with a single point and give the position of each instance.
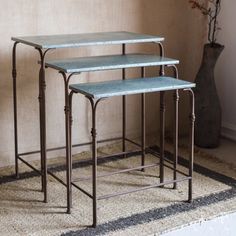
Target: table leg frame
(176, 125)
(68, 124)
(42, 111)
(143, 122)
(94, 157)
(162, 120)
(176, 134)
(14, 76)
(123, 107)
(162, 135)
(191, 143)
(188, 176)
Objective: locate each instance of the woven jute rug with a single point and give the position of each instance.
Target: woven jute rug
(149, 212)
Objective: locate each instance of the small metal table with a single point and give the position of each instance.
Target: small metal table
(44, 44)
(96, 92)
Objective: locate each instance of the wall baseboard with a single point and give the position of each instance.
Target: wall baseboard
(228, 131)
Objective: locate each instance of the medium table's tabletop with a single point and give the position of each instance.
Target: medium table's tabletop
(110, 62)
(130, 86)
(88, 39)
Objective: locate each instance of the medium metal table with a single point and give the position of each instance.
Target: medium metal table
(73, 66)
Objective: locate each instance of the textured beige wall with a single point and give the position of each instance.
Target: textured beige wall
(182, 28)
(225, 69)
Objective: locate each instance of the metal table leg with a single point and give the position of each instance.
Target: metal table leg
(123, 108)
(162, 120)
(69, 158)
(143, 121)
(14, 75)
(176, 134)
(41, 137)
(94, 158)
(162, 135)
(42, 111)
(191, 145)
(42, 88)
(176, 125)
(68, 123)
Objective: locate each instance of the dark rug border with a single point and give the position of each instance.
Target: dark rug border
(151, 215)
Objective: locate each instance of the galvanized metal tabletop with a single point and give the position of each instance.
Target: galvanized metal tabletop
(110, 62)
(88, 39)
(130, 86)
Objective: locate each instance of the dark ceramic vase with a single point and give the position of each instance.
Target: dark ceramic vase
(208, 109)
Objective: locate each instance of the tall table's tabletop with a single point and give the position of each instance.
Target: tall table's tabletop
(88, 39)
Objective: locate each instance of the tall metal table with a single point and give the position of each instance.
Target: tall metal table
(44, 44)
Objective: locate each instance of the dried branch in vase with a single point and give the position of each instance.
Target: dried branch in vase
(211, 9)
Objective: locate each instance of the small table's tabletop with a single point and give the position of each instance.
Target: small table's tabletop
(87, 39)
(110, 62)
(130, 86)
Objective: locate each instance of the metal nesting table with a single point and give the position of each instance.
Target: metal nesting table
(72, 66)
(44, 44)
(96, 92)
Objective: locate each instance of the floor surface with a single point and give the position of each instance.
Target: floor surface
(220, 226)
(225, 152)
